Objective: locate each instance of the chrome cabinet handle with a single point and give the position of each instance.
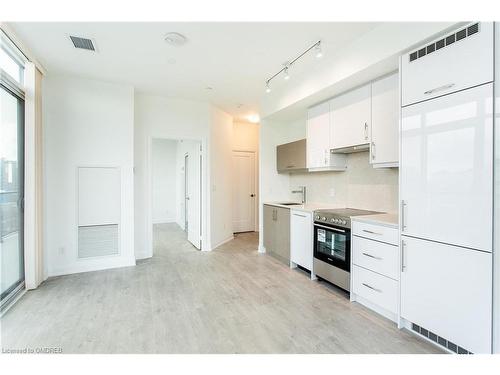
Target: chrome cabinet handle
(403, 221)
(371, 232)
(440, 88)
(299, 215)
(373, 150)
(290, 166)
(372, 256)
(366, 130)
(403, 264)
(371, 287)
(329, 228)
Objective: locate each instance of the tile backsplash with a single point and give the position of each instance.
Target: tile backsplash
(360, 186)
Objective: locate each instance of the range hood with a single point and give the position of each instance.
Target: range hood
(351, 149)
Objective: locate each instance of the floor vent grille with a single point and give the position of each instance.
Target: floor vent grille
(439, 340)
(446, 41)
(97, 240)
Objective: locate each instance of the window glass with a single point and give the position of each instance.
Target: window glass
(10, 66)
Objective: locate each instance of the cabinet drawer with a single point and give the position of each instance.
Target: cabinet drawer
(380, 290)
(376, 256)
(375, 232)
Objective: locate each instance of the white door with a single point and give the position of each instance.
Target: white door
(448, 291)
(385, 120)
(447, 168)
(318, 136)
(244, 196)
(193, 197)
(351, 118)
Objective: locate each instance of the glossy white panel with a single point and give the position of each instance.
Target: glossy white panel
(318, 136)
(465, 63)
(447, 168)
(447, 290)
(301, 238)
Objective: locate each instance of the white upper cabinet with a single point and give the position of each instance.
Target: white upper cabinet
(384, 148)
(351, 118)
(318, 136)
(457, 61)
(447, 169)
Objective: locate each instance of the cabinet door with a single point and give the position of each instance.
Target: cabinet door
(318, 136)
(385, 120)
(351, 118)
(301, 239)
(282, 234)
(447, 168)
(269, 227)
(462, 63)
(448, 290)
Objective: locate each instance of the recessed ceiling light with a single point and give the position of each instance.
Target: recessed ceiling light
(175, 39)
(254, 118)
(209, 88)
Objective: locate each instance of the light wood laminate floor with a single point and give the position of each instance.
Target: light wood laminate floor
(231, 300)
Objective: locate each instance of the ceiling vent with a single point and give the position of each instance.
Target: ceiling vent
(82, 43)
(445, 42)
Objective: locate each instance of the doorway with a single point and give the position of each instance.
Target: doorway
(244, 191)
(176, 195)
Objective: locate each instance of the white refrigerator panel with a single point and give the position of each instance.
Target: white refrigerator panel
(447, 169)
(448, 290)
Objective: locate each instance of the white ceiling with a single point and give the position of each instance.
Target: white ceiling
(234, 59)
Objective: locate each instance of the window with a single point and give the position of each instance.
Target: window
(11, 59)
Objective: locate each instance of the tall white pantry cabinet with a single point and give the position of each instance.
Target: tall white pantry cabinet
(446, 188)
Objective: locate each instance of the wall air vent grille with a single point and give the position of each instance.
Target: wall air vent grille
(82, 43)
(97, 240)
(439, 340)
(446, 41)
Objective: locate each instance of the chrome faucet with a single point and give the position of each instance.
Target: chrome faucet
(302, 191)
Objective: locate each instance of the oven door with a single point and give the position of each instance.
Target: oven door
(333, 245)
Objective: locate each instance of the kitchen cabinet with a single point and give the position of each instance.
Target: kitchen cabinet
(301, 239)
(277, 232)
(448, 290)
(459, 60)
(319, 157)
(384, 146)
(350, 116)
(375, 267)
(291, 156)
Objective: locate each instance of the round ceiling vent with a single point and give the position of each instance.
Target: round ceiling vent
(175, 39)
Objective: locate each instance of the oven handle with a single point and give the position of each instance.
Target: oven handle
(329, 228)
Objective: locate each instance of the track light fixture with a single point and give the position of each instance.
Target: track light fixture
(286, 75)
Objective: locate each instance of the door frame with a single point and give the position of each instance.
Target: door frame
(255, 183)
(204, 207)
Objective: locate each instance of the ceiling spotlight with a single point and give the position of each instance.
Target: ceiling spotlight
(287, 76)
(268, 89)
(254, 118)
(317, 49)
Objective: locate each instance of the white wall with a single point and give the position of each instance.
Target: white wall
(496, 199)
(86, 123)
(246, 138)
(221, 138)
(164, 160)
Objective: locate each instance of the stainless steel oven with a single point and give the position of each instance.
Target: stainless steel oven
(332, 244)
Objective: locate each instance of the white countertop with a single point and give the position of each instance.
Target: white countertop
(389, 219)
(306, 207)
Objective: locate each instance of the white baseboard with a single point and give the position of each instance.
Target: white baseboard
(223, 242)
(90, 265)
(143, 255)
(261, 249)
(164, 221)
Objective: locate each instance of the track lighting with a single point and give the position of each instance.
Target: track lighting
(318, 52)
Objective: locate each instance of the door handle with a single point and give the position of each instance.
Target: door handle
(403, 221)
(252, 195)
(403, 264)
(372, 256)
(373, 150)
(371, 287)
(440, 88)
(366, 130)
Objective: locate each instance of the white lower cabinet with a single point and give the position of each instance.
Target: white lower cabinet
(448, 291)
(375, 268)
(301, 239)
